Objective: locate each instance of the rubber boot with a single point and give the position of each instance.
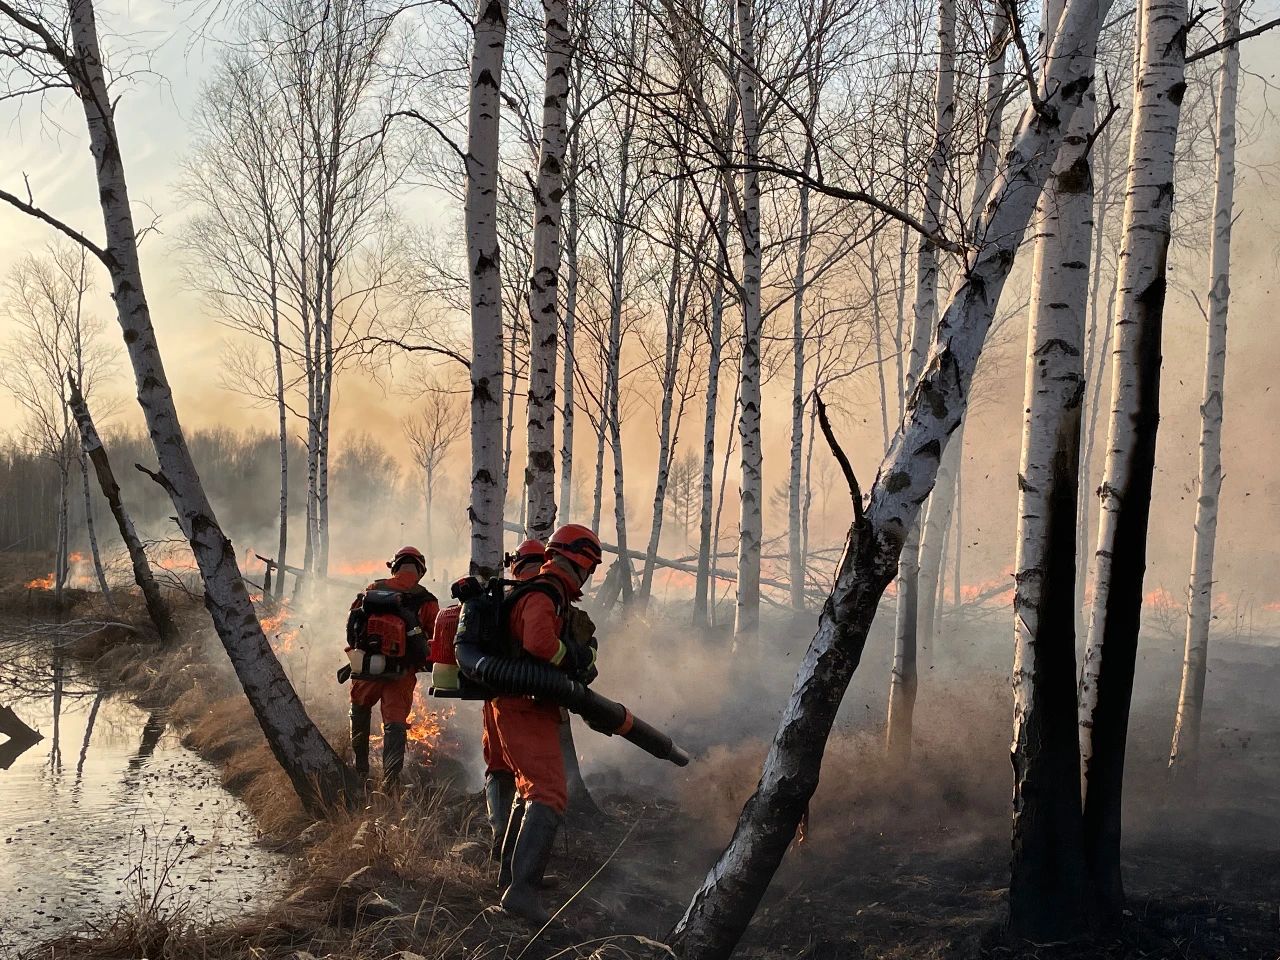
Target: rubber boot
(394, 737)
(360, 717)
(509, 838)
(529, 862)
(499, 793)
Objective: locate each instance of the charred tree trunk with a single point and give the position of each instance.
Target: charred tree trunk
(723, 906)
(1047, 899)
(92, 532)
(1184, 755)
(1106, 686)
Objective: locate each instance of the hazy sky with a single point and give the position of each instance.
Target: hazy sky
(152, 116)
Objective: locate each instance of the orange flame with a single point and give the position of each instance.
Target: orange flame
(41, 583)
(426, 726)
(283, 638)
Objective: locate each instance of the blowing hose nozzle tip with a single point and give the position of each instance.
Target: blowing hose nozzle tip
(678, 756)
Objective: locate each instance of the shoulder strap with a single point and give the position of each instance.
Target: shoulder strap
(539, 584)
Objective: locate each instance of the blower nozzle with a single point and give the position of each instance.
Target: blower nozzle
(525, 677)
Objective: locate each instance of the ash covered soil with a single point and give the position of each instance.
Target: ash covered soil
(915, 865)
(892, 864)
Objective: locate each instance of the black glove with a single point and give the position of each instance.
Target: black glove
(580, 661)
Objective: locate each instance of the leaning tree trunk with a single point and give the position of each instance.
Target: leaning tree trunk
(1047, 888)
(723, 906)
(544, 280)
(92, 532)
(1106, 686)
(91, 443)
(904, 677)
(1184, 755)
(751, 493)
(481, 215)
(316, 771)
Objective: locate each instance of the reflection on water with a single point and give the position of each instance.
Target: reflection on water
(108, 808)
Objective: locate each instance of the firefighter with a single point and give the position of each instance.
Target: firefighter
(499, 778)
(407, 567)
(528, 730)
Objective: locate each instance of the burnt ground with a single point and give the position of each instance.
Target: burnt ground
(925, 876)
(894, 864)
(915, 865)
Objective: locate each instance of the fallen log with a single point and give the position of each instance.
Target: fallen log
(726, 575)
(21, 737)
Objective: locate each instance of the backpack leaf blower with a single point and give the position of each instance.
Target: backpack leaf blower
(483, 620)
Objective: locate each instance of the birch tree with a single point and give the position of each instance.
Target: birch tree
(1184, 755)
(1047, 886)
(544, 279)
(751, 492)
(1106, 683)
(903, 677)
(91, 443)
(315, 770)
(485, 274)
(724, 904)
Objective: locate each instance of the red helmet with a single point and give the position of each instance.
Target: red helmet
(577, 544)
(528, 552)
(408, 553)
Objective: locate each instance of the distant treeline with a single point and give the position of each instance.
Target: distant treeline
(240, 469)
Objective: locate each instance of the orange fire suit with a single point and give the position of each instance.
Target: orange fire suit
(528, 730)
(396, 696)
(494, 761)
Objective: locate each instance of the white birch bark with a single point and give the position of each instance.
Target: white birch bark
(544, 279)
(570, 323)
(317, 774)
(751, 492)
(1184, 754)
(480, 211)
(707, 545)
(1047, 886)
(723, 906)
(795, 556)
(1125, 494)
(903, 678)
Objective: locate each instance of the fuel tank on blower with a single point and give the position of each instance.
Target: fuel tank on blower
(525, 677)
